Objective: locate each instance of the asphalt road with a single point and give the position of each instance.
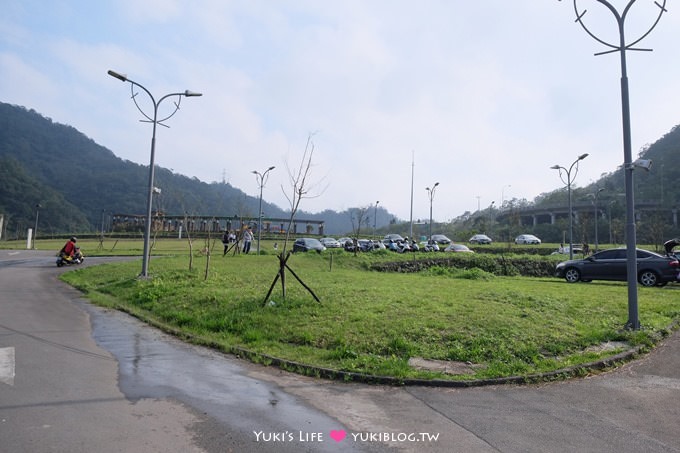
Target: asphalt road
(76, 378)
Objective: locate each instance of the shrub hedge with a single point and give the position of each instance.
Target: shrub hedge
(522, 265)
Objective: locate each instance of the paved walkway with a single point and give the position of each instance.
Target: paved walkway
(143, 391)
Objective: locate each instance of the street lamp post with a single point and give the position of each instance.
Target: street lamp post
(569, 180)
(611, 239)
(503, 195)
(375, 218)
(155, 121)
(622, 47)
(430, 195)
(595, 196)
(261, 181)
(35, 230)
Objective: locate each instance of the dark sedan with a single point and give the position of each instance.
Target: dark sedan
(308, 244)
(653, 269)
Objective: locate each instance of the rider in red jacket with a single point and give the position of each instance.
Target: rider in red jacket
(69, 249)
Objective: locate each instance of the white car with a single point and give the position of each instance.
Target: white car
(527, 239)
(565, 250)
(330, 243)
(458, 248)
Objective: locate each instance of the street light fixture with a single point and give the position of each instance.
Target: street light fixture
(568, 181)
(261, 181)
(155, 121)
(430, 195)
(622, 47)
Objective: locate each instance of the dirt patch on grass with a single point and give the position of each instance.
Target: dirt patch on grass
(445, 366)
(609, 346)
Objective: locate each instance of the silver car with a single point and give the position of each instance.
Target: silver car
(527, 239)
(330, 243)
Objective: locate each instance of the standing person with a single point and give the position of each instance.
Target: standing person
(225, 241)
(247, 239)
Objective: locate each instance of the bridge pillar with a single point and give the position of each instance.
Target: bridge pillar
(552, 218)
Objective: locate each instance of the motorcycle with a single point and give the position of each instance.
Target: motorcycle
(431, 246)
(67, 260)
(403, 246)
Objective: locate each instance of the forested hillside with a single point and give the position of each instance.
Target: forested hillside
(75, 181)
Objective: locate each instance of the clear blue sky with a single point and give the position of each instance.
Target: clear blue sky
(485, 96)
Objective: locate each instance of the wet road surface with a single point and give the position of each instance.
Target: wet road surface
(88, 379)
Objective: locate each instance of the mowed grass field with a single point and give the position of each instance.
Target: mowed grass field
(372, 322)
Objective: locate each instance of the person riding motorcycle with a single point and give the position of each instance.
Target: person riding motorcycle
(69, 249)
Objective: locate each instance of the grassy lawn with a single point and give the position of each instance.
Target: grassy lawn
(374, 322)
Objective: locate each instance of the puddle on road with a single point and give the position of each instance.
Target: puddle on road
(155, 365)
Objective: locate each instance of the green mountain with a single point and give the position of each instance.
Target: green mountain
(78, 183)
(656, 197)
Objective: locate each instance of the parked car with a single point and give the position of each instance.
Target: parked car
(480, 239)
(307, 244)
(441, 239)
(393, 237)
(330, 243)
(527, 239)
(653, 269)
(458, 248)
(367, 245)
(343, 241)
(565, 250)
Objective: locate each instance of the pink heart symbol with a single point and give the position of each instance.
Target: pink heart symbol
(338, 435)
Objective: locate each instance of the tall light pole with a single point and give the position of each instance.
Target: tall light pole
(375, 218)
(430, 195)
(155, 121)
(622, 47)
(568, 181)
(261, 181)
(35, 230)
(503, 195)
(611, 239)
(595, 196)
(413, 166)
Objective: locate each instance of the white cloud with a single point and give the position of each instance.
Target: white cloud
(484, 95)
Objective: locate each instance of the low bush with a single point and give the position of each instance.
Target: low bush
(501, 265)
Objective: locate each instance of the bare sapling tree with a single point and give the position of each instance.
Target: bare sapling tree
(358, 216)
(209, 246)
(191, 243)
(301, 187)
